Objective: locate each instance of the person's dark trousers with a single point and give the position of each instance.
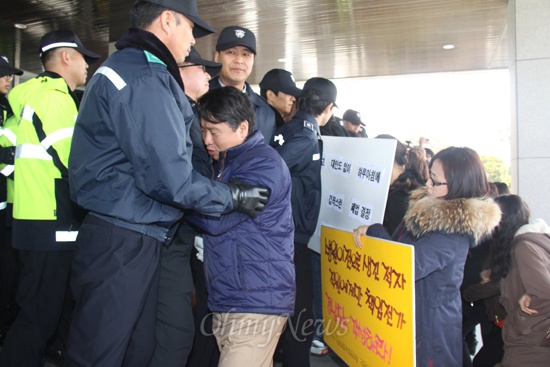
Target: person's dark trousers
(114, 279)
(9, 274)
(317, 294)
(175, 326)
(205, 352)
(298, 334)
(57, 345)
(41, 295)
(466, 357)
(492, 350)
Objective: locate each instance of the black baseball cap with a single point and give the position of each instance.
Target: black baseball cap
(236, 36)
(280, 80)
(65, 38)
(354, 117)
(212, 68)
(6, 68)
(324, 87)
(190, 10)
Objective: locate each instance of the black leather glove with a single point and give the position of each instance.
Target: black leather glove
(247, 198)
(7, 155)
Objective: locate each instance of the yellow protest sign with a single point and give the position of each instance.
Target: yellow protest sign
(368, 300)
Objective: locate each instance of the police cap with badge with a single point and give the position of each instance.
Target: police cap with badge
(279, 80)
(236, 36)
(6, 68)
(353, 117)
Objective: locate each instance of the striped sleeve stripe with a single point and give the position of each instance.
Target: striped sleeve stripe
(112, 76)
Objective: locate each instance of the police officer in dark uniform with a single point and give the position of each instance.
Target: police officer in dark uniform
(180, 267)
(299, 143)
(236, 50)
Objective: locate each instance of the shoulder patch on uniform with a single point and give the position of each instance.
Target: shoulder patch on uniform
(152, 58)
(309, 125)
(279, 138)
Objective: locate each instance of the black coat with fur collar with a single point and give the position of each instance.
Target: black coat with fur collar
(441, 231)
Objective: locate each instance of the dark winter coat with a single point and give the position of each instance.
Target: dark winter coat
(333, 128)
(441, 231)
(527, 337)
(248, 263)
(398, 198)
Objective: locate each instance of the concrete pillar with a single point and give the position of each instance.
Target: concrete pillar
(529, 47)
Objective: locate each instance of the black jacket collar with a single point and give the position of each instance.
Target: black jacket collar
(147, 41)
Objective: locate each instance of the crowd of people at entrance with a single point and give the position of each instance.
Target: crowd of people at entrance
(163, 217)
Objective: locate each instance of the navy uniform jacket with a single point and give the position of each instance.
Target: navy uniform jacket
(265, 117)
(298, 143)
(130, 158)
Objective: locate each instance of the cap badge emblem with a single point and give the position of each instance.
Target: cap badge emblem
(239, 33)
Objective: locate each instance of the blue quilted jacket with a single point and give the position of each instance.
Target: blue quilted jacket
(248, 263)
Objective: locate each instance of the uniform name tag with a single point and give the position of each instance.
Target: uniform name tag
(309, 125)
(65, 236)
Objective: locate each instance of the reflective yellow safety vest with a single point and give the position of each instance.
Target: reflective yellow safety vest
(44, 218)
(6, 136)
(7, 139)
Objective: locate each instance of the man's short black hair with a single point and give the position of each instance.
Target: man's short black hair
(310, 102)
(227, 105)
(143, 13)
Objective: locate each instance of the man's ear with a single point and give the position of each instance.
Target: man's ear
(64, 57)
(269, 94)
(216, 56)
(167, 20)
(328, 109)
(243, 129)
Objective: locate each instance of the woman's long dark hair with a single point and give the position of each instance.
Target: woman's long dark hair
(515, 213)
(464, 172)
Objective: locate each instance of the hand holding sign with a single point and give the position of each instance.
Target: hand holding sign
(358, 233)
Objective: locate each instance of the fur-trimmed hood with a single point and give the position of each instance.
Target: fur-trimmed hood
(537, 232)
(474, 217)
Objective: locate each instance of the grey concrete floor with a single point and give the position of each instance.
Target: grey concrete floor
(328, 360)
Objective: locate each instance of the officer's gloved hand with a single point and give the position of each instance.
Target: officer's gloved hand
(247, 198)
(7, 155)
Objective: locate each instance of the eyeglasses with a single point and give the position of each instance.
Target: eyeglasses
(7, 77)
(436, 183)
(200, 66)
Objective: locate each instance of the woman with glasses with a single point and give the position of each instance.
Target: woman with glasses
(443, 222)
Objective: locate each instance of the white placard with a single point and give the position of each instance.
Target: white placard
(355, 177)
